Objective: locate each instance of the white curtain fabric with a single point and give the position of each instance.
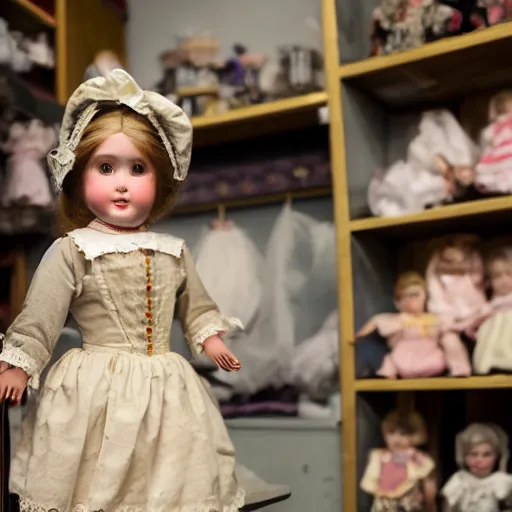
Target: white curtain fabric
(298, 292)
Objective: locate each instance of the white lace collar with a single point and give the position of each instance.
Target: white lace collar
(93, 243)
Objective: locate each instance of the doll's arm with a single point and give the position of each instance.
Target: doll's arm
(430, 490)
(199, 315)
(30, 339)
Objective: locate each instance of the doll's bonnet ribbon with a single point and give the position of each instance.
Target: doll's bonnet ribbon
(171, 123)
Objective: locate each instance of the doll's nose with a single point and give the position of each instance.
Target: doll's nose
(121, 189)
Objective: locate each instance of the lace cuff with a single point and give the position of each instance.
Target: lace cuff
(16, 357)
(212, 323)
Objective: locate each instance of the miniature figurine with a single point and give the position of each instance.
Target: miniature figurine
(482, 483)
(413, 335)
(400, 476)
(122, 423)
(456, 291)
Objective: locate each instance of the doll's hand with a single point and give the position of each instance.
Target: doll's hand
(217, 351)
(12, 385)
(4, 366)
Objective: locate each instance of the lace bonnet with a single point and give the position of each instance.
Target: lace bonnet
(120, 88)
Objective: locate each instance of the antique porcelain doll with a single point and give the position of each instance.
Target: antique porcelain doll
(456, 291)
(493, 349)
(493, 173)
(482, 483)
(400, 476)
(413, 335)
(122, 423)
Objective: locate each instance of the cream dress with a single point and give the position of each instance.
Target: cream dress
(115, 429)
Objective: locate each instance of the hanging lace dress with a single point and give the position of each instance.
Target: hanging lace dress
(299, 291)
(231, 268)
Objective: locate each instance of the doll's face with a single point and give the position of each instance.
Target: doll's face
(397, 440)
(500, 274)
(481, 459)
(412, 300)
(120, 183)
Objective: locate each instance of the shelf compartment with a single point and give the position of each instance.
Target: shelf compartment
(434, 383)
(254, 112)
(438, 71)
(472, 214)
(37, 13)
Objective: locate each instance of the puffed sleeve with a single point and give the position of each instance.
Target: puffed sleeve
(30, 339)
(370, 480)
(199, 316)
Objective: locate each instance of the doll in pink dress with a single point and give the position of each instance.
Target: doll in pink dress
(26, 182)
(482, 483)
(493, 173)
(413, 335)
(400, 476)
(456, 291)
(493, 347)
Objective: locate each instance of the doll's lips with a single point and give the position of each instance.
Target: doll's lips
(122, 203)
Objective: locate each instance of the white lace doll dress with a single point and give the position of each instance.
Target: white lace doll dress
(465, 492)
(493, 349)
(115, 428)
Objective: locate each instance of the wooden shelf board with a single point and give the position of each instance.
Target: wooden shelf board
(37, 12)
(438, 71)
(475, 212)
(435, 383)
(254, 201)
(253, 113)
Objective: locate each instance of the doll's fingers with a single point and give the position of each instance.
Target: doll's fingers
(227, 362)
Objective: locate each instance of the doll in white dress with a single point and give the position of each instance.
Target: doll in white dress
(493, 348)
(482, 483)
(121, 424)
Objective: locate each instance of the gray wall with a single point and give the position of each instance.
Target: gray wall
(261, 25)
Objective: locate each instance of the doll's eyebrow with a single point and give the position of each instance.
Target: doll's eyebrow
(105, 156)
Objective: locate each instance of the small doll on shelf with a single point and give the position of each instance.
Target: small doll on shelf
(482, 483)
(456, 291)
(122, 423)
(493, 349)
(413, 335)
(400, 476)
(493, 173)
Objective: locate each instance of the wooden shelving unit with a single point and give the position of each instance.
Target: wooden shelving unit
(257, 112)
(36, 11)
(364, 98)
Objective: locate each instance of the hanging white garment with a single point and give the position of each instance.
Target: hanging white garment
(299, 290)
(231, 268)
(314, 368)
